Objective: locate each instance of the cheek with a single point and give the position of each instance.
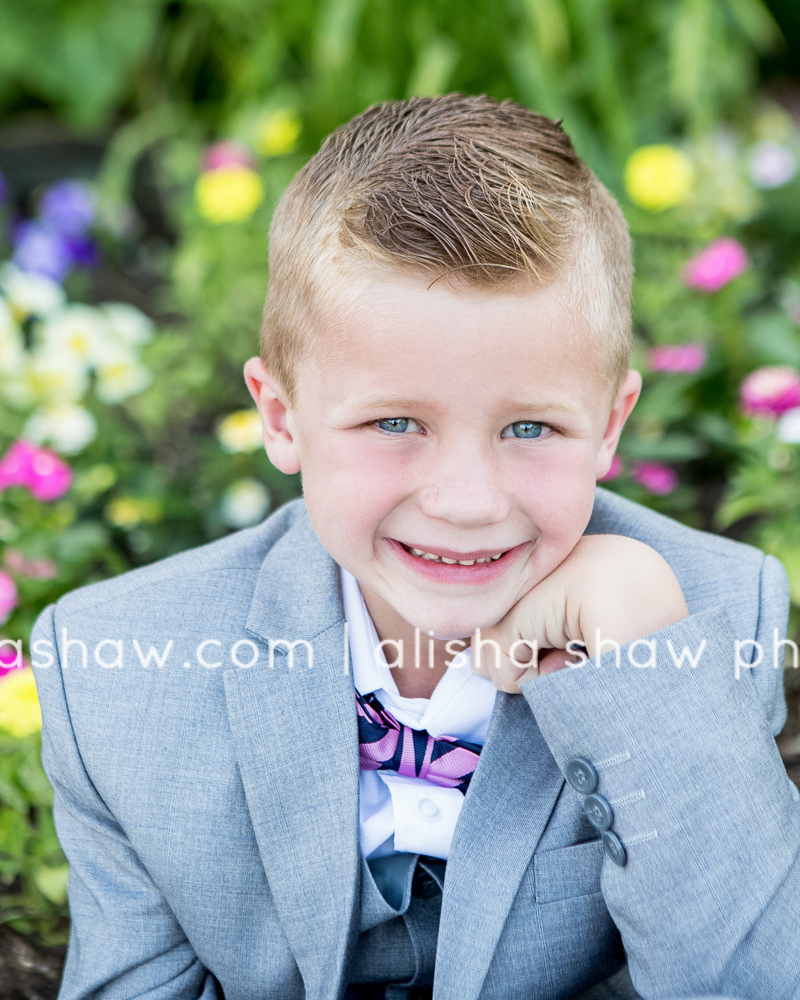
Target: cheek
(351, 486)
(558, 496)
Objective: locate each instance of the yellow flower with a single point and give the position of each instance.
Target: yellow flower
(277, 133)
(658, 177)
(228, 194)
(240, 431)
(128, 512)
(20, 714)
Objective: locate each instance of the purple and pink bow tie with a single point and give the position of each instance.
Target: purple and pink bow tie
(387, 745)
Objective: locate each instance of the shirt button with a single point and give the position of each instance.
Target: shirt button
(428, 808)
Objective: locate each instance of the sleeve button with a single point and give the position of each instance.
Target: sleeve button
(428, 808)
(582, 775)
(598, 812)
(614, 848)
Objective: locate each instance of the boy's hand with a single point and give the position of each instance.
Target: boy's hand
(610, 587)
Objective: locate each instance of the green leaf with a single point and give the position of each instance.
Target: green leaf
(52, 882)
(434, 68)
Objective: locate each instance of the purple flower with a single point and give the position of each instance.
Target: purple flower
(682, 358)
(39, 250)
(82, 251)
(655, 477)
(67, 208)
(771, 165)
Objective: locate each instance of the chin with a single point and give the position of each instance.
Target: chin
(459, 628)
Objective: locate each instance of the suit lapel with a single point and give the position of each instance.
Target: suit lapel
(510, 799)
(508, 803)
(296, 737)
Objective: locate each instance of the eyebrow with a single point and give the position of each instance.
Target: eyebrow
(404, 403)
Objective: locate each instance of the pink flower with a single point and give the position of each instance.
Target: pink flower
(8, 596)
(16, 464)
(655, 477)
(50, 476)
(226, 154)
(10, 659)
(36, 569)
(770, 391)
(720, 262)
(614, 469)
(684, 358)
(38, 469)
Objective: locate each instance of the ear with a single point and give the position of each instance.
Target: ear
(626, 400)
(277, 420)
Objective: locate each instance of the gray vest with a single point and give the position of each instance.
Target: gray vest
(401, 899)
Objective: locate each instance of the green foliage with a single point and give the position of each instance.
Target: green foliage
(33, 868)
(159, 81)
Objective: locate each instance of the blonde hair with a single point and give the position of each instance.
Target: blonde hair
(482, 192)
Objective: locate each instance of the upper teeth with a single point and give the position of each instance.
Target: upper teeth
(452, 562)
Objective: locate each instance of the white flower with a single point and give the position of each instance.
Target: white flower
(771, 164)
(120, 375)
(245, 502)
(68, 428)
(128, 324)
(77, 329)
(56, 377)
(30, 294)
(240, 431)
(12, 346)
(788, 428)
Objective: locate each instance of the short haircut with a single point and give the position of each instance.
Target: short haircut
(484, 193)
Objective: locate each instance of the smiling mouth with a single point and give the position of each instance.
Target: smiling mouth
(482, 559)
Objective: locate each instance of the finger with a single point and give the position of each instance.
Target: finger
(489, 661)
(553, 660)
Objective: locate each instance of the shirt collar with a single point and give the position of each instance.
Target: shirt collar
(370, 672)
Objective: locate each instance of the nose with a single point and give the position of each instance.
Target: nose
(467, 497)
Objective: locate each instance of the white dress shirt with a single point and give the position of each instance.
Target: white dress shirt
(411, 814)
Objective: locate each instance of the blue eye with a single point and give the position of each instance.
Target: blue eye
(394, 425)
(528, 429)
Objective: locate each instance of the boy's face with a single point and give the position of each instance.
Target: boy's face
(462, 423)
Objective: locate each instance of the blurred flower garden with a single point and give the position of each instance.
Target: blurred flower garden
(142, 149)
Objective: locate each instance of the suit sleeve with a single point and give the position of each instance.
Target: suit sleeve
(708, 900)
(124, 939)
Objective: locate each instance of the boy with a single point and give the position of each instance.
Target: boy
(267, 808)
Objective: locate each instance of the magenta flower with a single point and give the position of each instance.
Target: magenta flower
(683, 358)
(656, 478)
(720, 262)
(613, 470)
(51, 477)
(9, 658)
(8, 596)
(770, 391)
(227, 154)
(37, 469)
(17, 463)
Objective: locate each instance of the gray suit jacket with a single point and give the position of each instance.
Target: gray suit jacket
(209, 810)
